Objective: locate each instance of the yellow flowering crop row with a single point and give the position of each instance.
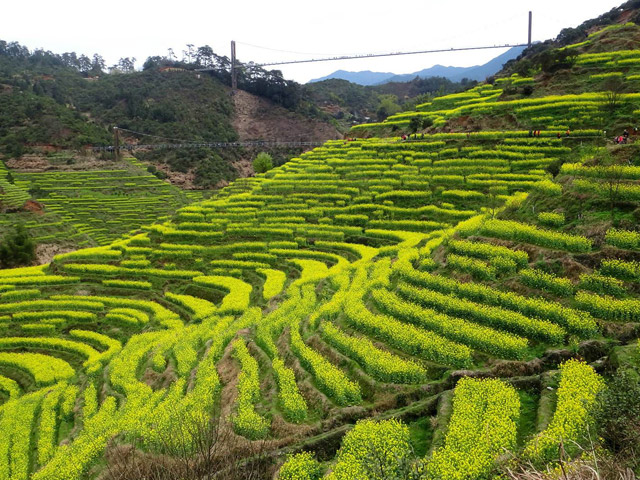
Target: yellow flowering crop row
(329, 378)
(246, 420)
(293, 405)
(457, 329)
(577, 393)
(574, 320)
(380, 364)
(521, 232)
(535, 278)
(483, 427)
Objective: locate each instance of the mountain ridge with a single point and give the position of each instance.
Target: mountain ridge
(455, 74)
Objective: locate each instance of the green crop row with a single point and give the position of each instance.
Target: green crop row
(477, 268)
(39, 280)
(623, 191)
(16, 441)
(373, 451)
(75, 304)
(617, 171)
(10, 387)
(51, 316)
(19, 295)
(199, 308)
(301, 466)
(90, 354)
(133, 284)
(496, 317)
(598, 283)
(551, 219)
(49, 423)
(404, 336)
(238, 296)
(44, 369)
(488, 251)
(621, 269)
(162, 315)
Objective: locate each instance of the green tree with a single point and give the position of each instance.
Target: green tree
(613, 89)
(262, 163)
(388, 106)
(17, 249)
(415, 124)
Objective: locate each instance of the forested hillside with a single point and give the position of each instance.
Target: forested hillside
(50, 102)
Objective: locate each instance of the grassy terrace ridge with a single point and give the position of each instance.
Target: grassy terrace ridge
(354, 281)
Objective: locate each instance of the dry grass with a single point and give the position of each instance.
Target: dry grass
(580, 469)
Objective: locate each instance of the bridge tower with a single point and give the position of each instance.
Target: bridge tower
(234, 71)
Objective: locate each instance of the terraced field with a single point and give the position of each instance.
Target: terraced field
(362, 279)
(589, 81)
(88, 207)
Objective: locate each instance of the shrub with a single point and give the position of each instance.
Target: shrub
(618, 414)
(17, 248)
(262, 163)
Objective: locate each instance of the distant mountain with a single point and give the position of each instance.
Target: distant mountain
(366, 77)
(455, 74)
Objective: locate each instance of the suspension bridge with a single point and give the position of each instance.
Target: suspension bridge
(176, 144)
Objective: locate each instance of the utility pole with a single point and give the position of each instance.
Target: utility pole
(234, 71)
(530, 26)
(116, 142)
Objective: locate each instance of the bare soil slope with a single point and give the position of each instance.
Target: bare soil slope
(259, 119)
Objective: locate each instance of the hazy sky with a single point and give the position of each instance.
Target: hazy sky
(292, 29)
